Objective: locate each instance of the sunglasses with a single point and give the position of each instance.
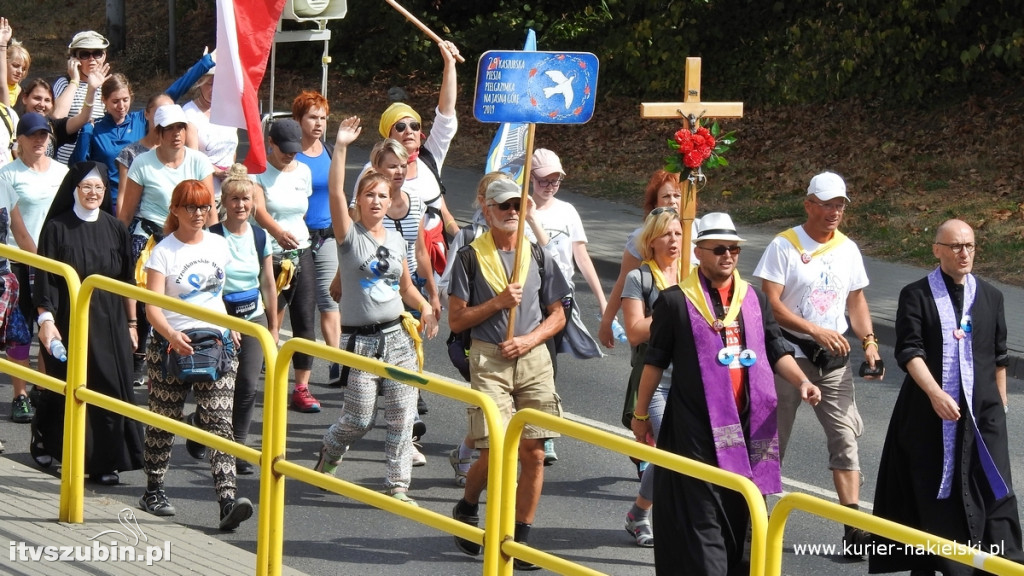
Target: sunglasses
(664, 209)
(507, 205)
(381, 266)
(94, 54)
(401, 126)
(721, 250)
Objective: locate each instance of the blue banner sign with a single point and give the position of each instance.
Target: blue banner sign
(535, 87)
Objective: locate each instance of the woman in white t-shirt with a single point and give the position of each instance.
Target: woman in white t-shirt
(218, 143)
(189, 264)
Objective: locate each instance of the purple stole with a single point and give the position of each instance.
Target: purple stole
(760, 461)
(957, 371)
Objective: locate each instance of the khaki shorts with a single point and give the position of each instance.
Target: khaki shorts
(526, 382)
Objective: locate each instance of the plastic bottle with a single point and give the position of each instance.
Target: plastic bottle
(58, 351)
(618, 331)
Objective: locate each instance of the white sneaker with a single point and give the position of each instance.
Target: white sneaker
(418, 459)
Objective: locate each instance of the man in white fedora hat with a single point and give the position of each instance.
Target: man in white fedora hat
(813, 275)
(720, 410)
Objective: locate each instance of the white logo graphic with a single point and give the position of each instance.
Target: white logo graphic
(563, 86)
(127, 519)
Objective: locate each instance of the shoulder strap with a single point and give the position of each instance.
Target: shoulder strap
(538, 255)
(217, 229)
(646, 287)
(431, 163)
(259, 237)
(6, 115)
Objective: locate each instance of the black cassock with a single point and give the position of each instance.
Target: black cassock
(911, 467)
(113, 443)
(700, 528)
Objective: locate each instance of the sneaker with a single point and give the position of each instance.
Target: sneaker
(325, 466)
(22, 411)
(156, 503)
(549, 452)
(418, 459)
(641, 531)
(303, 401)
(467, 547)
(402, 496)
(460, 466)
(234, 512)
(419, 429)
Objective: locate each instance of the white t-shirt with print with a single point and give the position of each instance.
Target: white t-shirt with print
(287, 195)
(815, 291)
(193, 273)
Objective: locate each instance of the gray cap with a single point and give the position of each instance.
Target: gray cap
(287, 135)
(502, 190)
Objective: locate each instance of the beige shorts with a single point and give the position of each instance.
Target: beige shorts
(526, 382)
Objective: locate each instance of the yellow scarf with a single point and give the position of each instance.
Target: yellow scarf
(490, 265)
(412, 328)
(695, 293)
(837, 239)
(659, 278)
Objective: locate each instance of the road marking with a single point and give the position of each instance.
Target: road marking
(619, 431)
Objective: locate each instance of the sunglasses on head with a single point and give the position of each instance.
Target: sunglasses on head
(401, 126)
(664, 209)
(507, 205)
(94, 54)
(721, 250)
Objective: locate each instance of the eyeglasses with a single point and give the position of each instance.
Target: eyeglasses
(548, 183)
(401, 126)
(86, 54)
(833, 207)
(192, 209)
(721, 250)
(381, 265)
(92, 189)
(507, 205)
(958, 248)
(663, 209)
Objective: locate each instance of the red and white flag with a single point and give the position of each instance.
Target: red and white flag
(245, 34)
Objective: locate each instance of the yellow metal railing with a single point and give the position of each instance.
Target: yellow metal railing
(599, 438)
(899, 533)
(269, 554)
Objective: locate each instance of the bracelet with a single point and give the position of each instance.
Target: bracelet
(44, 317)
(871, 343)
(640, 418)
(133, 323)
(86, 104)
(868, 335)
(74, 82)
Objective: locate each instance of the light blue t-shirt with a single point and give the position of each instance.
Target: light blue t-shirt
(32, 192)
(158, 181)
(287, 195)
(243, 270)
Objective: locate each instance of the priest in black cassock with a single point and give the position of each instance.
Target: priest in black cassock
(79, 231)
(720, 335)
(945, 467)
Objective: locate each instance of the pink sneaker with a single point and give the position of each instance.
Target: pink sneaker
(303, 401)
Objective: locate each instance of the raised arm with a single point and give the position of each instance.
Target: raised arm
(449, 84)
(341, 220)
(64, 90)
(93, 83)
(5, 37)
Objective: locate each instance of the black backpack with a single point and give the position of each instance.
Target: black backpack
(458, 342)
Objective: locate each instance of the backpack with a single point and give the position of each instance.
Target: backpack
(639, 352)
(259, 238)
(458, 342)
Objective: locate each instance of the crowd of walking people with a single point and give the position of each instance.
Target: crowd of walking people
(153, 196)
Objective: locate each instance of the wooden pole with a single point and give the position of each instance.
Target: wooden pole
(430, 33)
(686, 216)
(520, 234)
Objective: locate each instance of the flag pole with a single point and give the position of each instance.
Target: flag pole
(521, 241)
(408, 16)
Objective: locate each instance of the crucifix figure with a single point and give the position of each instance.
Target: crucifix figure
(690, 110)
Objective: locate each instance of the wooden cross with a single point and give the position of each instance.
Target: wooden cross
(690, 110)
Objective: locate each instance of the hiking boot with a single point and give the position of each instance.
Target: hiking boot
(855, 543)
(326, 466)
(234, 512)
(303, 401)
(467, 547)
(156, 503)
(549, 452)
(22, 411)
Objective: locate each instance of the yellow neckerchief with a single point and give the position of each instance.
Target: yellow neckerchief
(836, 240)
(694, 292)
(659, 278)
(489, 262)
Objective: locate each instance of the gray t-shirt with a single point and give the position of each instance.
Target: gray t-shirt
(370, 277)
(538, 294)
(634, 289)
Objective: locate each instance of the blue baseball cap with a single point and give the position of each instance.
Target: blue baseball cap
(32, 122)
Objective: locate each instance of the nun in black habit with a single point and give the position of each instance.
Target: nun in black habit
(80, 231)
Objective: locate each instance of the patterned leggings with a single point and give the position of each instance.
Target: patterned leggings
(360, 408)
(214, 401)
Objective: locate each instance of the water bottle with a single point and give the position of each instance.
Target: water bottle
(618, 331)
(58, 351)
